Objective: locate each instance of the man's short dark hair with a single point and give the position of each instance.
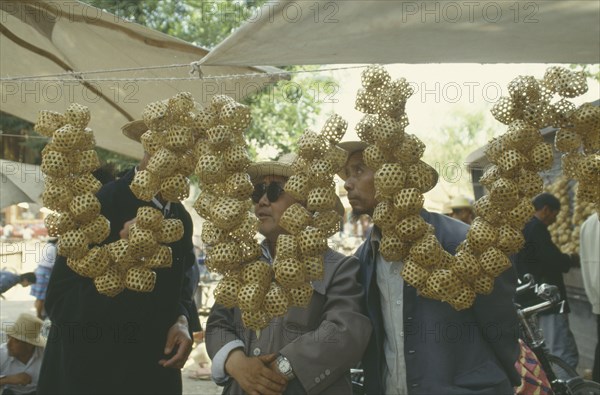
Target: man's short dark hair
(546, 199)
(30, 277)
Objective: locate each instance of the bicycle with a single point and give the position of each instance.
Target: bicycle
(564, 380)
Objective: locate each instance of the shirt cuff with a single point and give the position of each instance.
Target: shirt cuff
(218, 363)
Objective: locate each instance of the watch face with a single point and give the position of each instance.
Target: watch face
(284, 365)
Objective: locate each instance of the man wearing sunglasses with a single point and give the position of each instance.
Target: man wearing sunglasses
(308, 350)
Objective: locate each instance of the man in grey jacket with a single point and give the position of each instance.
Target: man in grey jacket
(307, 351)
(421, 345)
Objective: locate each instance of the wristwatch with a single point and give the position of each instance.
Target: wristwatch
(285, 367)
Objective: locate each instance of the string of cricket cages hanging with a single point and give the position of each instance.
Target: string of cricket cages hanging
(512, 180)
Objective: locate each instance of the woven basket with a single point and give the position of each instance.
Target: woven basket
(86, 183)
(224, 257)
(163, 163)
(250, 250)
(287, 247)
(510, 240)
(411, 150)
(204, 203)
(490, 175)
(389, 179)
(219, 137)
(321, 172)
(519, 216)
(312, 145)
(530, 183)
(209, 168)
(276, 301)
(408, 201)
(414, 274)
(251, 296)
(142, 243)
(247, 229)
(312, 241)
(411, 228)
(510, 161)
(334, 128)
(226, 291)
(152, 141)
(314, 268)
(78, 115)
(87, 161)
(481, 235)
(48, 122)
(444, 283)
(255, 320)
(321, 199)
(145, 185)
(541, 157)
(483, 285)
(118, 253)
(59, 223)
(239, 186)
(426, 251)
(504, 110)
(374, 157)
(175, 188)
(56, 197)
(488, 211)
(374, 77)
(589, 168)
(162, 258)
(387, 131)
(385, 215)
(171, 230)
(298, 186)
(67, 138)
(364, 128)
(295, 218)
(560, 112)
(97, 230)
(301, 295)
(290, 273)
(493, 262)
(149, 218)
(392, 248)
(421, 176)
(365, 102)
(327, 222)
(524, 88)
(236, 116)
(55, 164)
(235, 159)
(464, 299)
(591, 142)
(110, 283)
(466, 266)
(179, 138)
(259, 272)
(586, 119)
(522, 136)
(227, 213)
(156, 116)
(93, 264)
(504, 193)
(84, 208)
(140, 279)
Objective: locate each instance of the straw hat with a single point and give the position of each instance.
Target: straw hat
(460, 202)
(134, 130)
(354, 146)
(27, 328)
(281, 167)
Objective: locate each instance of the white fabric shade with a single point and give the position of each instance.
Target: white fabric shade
(42, 38)
(289, 32)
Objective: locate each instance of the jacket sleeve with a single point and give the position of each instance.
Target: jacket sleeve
(220, 329)
(339, 342)
(187, 306)
(546, 252)
(497, 316)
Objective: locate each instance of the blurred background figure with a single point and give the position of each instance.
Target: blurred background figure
(10, 279)
(21, 356)
(42, 275)
(462, 209)
(589, 251)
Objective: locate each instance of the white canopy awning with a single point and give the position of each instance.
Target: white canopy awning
(289, 32)
(55, 44)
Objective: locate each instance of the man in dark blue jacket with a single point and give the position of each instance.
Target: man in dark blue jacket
(421, 345)
(544, 260)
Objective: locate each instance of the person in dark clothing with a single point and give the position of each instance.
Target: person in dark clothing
(135, 342)
(541, 258)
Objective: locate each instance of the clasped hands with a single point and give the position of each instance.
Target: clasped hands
(256, 375)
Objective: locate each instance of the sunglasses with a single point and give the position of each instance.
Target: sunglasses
(273, 191)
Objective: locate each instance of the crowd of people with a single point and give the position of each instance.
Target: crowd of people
(360, 312)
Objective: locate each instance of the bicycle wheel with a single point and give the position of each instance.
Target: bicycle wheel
(584, 387)
(561, 369)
